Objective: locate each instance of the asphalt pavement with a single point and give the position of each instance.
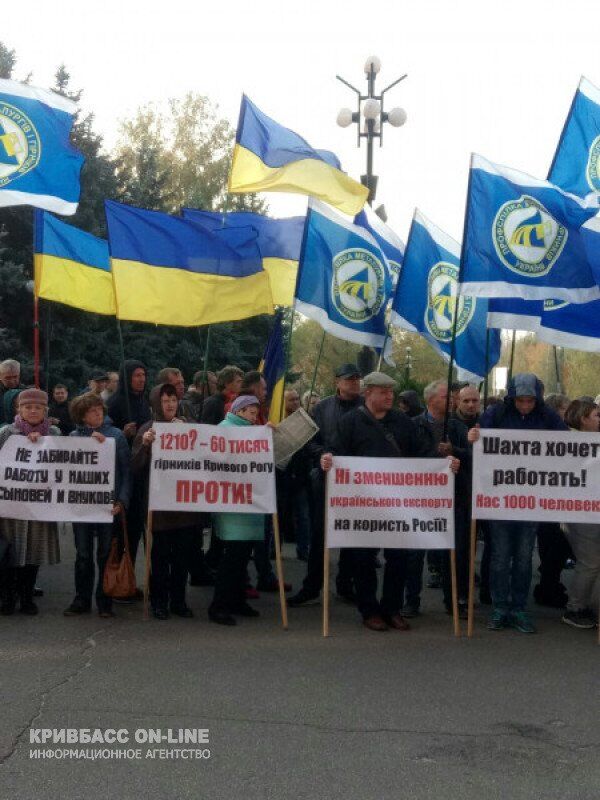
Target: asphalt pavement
(357, 716)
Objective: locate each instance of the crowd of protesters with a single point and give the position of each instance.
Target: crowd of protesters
(363, 418)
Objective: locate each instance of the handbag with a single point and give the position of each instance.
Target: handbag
(119, 576)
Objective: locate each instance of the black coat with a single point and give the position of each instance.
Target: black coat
(126, 406)
(327, 414)
(213, 410)
(360, 435)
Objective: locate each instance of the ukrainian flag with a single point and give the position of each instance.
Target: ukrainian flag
(270, 158)
(71, 266)
(171, 271)
(272, 367)
(279, 242)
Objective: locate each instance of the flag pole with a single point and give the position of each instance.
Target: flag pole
(487, 367)
(47, 330)
(314, 377)
(557, 368)
(122, 348)
(512, 356)
(36, 341)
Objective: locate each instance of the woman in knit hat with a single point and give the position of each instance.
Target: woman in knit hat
(239, 533)
(30, 543)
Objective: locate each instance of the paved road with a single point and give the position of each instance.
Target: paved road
(358, 716)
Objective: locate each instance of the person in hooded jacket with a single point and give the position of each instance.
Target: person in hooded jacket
(128, 410)
(512, 541)
(172, 531)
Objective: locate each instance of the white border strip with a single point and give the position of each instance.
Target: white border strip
(524, 180)
(588, 89)
(10, 197)
(48, 98)
(319, 315)
(383, 229)
(504, 289)
(439, 236)
(512, 322)
(572, 340)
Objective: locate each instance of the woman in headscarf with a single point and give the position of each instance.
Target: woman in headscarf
(172, 531)
(30, 543)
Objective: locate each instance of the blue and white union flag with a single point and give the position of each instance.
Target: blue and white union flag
(38, 164)
(576, 164)
(344, 279)
(527, 238)
(427, 299)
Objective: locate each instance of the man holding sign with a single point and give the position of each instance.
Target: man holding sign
(512, 541)
(378, 430)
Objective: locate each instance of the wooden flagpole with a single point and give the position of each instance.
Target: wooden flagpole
(279, 567)
(326, 560)
(147, 569)
(472, 553)
(455, 618)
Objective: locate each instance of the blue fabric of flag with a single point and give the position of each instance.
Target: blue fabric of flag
(390, 243)
(514, 313)
(277, 238)
(55, 238)
(526, 238)
(343, 280)
(427, 299)
(38, 164)
(576, 164)
(153, 237)
(273, 143)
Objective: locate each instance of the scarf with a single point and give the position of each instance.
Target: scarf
(26, 427)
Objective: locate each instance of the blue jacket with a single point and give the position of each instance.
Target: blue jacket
(122, 456)
(505, 415)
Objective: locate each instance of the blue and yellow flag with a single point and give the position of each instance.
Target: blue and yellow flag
(171, 271)
(38, 165)
(71, 266)
(270, 158)
(273, 368)
(279, 242)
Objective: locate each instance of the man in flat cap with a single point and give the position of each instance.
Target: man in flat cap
(327, 414)
(378, 430)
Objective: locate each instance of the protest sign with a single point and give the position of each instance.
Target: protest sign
(208, 468)
(57, 479)
(390, 502)
(544, 476)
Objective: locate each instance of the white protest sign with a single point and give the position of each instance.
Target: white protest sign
(543, 476)
(57, 479)
(390, 502)
(212, 468)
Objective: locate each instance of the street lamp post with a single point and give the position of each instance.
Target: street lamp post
(407, 364)
(370, 105)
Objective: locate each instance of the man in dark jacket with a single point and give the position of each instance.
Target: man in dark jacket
(58, 411)
(229, 383)
(430, 427)
(10, 378)
(512, 541)
(327, 414)
(204, 385)
(378, 431)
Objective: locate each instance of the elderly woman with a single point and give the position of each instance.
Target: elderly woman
(239, 533)
(583, 415)
(29, 543)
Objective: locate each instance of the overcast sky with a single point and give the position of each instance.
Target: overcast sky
(495, 78)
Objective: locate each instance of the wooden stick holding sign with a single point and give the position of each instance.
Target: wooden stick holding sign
(147, 570)
(279, 567)
(472, 553)
(455, 617)
(326, 562)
